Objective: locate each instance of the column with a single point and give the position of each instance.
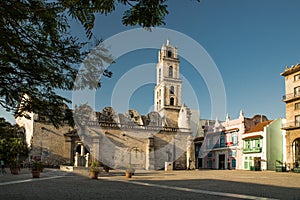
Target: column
(190, 153)
(82, 150)
(150, 154)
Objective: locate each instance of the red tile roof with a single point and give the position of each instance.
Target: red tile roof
(259, 127)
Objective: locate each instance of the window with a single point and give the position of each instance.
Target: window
(171, 72)
(297, 106)
(233, 163)
(297, 91)
(297, 120)
(169, 54)
(297, 77)
(246, 166)
(159, 75)
(172, 89)
(209, 155)
(172, 101)
(257, 143)
(234, 139)
(209, 144)
(222, 141)
(233, 153)
(247, 144)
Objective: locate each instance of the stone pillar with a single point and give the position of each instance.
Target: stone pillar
(87, 159)
(82, 150)
(76, 159)
(150, 154)
(190, 153)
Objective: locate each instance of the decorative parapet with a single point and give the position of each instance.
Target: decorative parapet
(137, 127)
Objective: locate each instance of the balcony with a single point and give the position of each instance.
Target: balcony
(219, 146)
(252, 150)
(291, 125)
(291, 97)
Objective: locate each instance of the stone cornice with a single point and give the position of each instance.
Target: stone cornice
(291, 70)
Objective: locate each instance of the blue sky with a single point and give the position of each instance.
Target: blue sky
(250, 42)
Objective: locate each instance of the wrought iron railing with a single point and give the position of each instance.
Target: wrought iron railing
(252, 150)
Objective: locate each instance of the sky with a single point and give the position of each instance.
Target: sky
(249, 42)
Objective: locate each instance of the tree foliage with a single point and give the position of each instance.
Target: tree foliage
(12, 143)
(38, 55)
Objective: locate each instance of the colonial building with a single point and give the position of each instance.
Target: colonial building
(222, 147)
(263, 146)
(119, 140)
(292, 126)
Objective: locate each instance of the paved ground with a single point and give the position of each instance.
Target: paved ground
(202, 184)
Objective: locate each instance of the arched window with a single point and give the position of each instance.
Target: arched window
(172, 89)
(172, 101)
(169, 54)
(170, 71)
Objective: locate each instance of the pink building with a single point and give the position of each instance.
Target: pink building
(222, 145)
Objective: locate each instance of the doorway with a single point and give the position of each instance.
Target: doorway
(199, 163)
(296, 152)
(222, 161)
(257, 163)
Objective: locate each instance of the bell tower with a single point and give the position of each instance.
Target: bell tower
(167, 92)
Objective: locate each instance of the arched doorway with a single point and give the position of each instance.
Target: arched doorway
(296, 152)
(82, 155)
(80, 148)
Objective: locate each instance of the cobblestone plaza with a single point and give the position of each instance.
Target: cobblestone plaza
(183, 184)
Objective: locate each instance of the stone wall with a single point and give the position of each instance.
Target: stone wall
(119, 148)
(51, 144)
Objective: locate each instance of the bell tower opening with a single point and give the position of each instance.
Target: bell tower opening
(171, 101)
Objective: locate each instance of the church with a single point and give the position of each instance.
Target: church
(161, 138)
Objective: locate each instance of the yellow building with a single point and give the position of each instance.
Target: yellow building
(292, 126)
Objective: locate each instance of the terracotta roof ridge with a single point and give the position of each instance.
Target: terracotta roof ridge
(259, 127)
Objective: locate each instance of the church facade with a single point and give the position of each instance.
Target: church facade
(121, 140)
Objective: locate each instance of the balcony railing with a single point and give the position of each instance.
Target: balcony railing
(290, 96)
(291, 125)
(252, 150)
(219, 145)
